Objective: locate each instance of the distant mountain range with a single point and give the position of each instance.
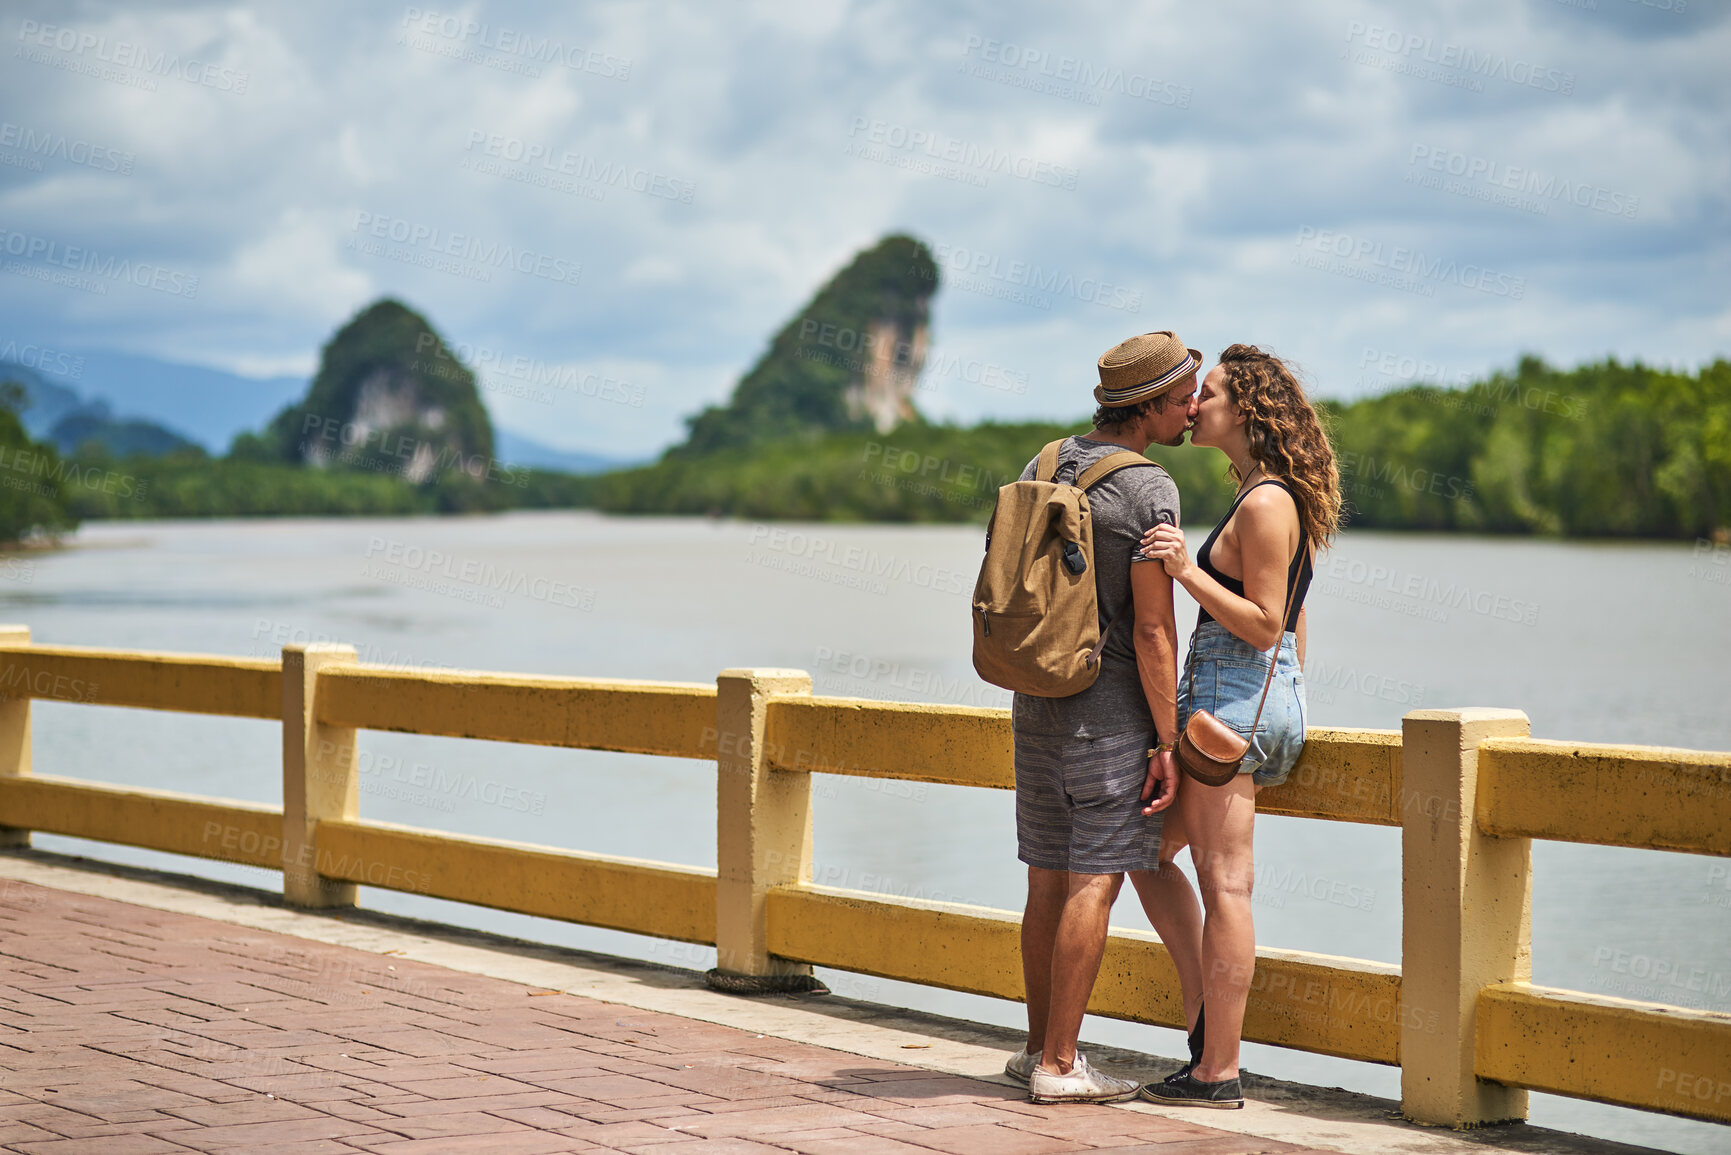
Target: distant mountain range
(68, 421)
(169, 405)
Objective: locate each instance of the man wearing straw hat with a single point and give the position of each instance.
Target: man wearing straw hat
(1094, 770)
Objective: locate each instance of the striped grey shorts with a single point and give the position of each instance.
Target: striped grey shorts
(1079, 804)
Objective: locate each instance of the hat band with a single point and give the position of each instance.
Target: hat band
(1114, 397)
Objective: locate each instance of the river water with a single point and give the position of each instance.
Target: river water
(1611, 643)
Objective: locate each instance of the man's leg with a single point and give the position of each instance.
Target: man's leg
(1170, 903)
(1077, 948)
(1221, 825)
(1047, 890)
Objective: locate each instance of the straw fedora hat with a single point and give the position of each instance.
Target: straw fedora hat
(1144, 366)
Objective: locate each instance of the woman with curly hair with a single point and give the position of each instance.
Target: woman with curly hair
(1249, 579)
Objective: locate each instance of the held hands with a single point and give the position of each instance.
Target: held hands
(1160, 787)
(1165, 544)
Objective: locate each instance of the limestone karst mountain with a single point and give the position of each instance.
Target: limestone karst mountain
(391, 397)
(849, 360)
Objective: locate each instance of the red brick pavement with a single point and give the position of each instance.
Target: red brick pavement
(128, 1030)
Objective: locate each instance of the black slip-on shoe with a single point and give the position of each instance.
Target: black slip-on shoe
(1186, 1090)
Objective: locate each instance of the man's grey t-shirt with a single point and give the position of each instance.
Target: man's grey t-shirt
(1124, 507)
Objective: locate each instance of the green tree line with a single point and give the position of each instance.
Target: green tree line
(1602, 450)
(194, 485)
(917, 473)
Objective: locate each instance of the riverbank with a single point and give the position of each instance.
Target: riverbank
(1599, 451)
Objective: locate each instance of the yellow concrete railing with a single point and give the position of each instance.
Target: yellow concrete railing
(1641, 796)
(1334, 1006)
(1348, 775)
(671, 718)
(194, 683)
(1467, 788)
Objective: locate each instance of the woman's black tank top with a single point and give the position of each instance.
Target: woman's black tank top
(1300, 570)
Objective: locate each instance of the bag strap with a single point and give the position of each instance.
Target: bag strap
(1094, 654)
(1093, 475)
(1109, 465)
(1046, 468)
(1047, 465)
(1274, 658)
(1274, 655)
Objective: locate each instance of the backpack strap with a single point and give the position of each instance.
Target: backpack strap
(1093, 475)
(1109, 465)
(1047, 466)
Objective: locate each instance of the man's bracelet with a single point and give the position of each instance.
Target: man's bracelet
(1162, 748)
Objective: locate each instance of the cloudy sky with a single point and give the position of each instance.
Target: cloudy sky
(640, 193)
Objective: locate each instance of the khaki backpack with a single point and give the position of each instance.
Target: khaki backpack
(1036, 608)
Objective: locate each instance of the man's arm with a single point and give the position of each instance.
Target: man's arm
(1156, 639)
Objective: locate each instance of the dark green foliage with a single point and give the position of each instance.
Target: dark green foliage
(192, 485)
(32, 475)
(798, 386)
(546, 489)
(918, 473)
(1604, 450)
(184, 485)
(387, 350)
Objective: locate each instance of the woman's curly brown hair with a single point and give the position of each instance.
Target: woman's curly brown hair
(1286, 436)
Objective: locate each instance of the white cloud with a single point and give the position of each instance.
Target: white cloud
(297, 267)
(1258, 128)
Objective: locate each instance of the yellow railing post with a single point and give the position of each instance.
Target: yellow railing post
(1466, 916)
(14, 736)
(319, 778)
(762, 821)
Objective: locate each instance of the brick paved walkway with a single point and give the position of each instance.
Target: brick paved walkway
(126, 1030)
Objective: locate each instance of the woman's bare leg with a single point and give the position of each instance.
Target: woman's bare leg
(1220, 822)
(1170, 903)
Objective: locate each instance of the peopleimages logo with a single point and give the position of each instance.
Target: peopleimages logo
(42, 145)
(580, 167)
(448, 362)
(1367, 469)
(89, 50)
(1029, 283)
(943, 148)
(1425, 593)
(1067, 77)
(468, 39)
(464, 247)
(81, 260)
(1487, 179)
(1470, 63)
(1407, 263)
(42, 359)
(862, 568)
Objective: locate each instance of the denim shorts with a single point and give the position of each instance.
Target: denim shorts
(1228, 674)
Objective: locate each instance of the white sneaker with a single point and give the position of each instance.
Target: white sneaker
(1021, 1065)
(1082, 1085)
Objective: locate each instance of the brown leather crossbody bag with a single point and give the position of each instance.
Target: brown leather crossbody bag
(1209, 750)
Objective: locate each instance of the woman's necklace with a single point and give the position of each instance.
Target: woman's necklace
(1245, 488)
